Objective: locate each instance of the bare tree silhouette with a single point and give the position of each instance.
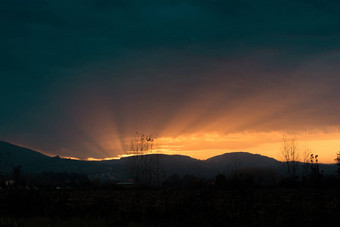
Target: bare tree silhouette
(144, 165)
(290, 157)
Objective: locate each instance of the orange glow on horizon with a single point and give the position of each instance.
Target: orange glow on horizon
(197, 125)
(107, 159)
(72, 158)
(207, 145)
(197, 128)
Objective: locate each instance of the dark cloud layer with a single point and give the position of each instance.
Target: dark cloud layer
(169, 67)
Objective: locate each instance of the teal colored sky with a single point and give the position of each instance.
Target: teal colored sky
(69, 66)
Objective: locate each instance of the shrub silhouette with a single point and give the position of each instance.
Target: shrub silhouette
(338, 163)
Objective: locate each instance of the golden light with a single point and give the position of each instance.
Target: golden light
(204, 125)
(206, 145)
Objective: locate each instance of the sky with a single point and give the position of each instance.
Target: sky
(80, 77)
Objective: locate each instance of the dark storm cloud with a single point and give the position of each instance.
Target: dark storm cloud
(59, 59)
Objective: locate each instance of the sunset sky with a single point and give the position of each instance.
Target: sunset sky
(80, 77)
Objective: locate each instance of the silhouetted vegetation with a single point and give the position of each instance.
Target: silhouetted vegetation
(249, 197)
(239, 196)
(316, 174)
(170, 207)
(290, 158)
(145, 169)
(338, 163)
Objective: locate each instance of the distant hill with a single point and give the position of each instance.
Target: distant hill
(12, 155)
(20, 153)
(33, 161)
(241, 160)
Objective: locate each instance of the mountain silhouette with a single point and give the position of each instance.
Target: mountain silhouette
(242, 160)
(32, 161)
(13, 155)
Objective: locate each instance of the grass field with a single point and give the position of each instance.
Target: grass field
(146, 207)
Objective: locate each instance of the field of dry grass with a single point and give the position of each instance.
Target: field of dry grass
(146, 207)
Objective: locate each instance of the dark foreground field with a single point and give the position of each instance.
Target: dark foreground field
(146, 207)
